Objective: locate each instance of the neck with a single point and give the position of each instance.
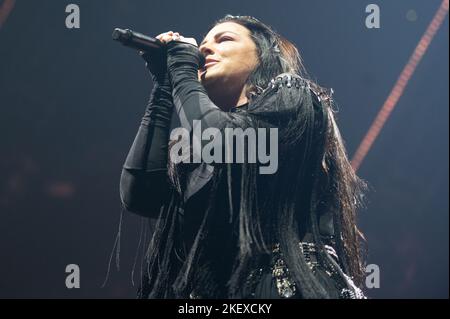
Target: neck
(228, 101)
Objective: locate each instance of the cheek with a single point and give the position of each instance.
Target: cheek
(243, 59)
(253, 60)
(248, 63)
(247, 58)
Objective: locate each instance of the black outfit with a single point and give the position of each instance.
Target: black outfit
(146, 189)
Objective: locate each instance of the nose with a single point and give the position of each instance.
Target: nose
(206, 49)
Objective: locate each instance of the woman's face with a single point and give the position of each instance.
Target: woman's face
(230, 57)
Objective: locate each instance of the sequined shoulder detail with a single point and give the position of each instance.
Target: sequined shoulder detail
(287, 288)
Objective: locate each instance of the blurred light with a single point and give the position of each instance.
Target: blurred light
(399, 86)
(5, 9)
(61, 189)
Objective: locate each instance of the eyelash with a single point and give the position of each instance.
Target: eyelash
(225, 39)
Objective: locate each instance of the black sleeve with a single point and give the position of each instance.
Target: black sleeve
(144, 186)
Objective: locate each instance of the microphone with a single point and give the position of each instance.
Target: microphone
(136, 40)
(142, 42)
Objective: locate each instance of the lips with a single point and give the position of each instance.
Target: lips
(210, 62)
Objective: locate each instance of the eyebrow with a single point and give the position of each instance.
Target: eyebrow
(218, 35)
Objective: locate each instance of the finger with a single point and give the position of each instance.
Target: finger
(172, 37)
(164, 33)
(166, 38)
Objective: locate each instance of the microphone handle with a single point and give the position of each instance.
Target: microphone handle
(136, 40)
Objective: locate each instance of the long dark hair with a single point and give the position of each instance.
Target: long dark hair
(314, 178)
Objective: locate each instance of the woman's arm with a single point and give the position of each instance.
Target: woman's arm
(144, 185)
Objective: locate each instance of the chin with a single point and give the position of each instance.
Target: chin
(209, 79)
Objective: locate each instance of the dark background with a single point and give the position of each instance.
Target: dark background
(71, 101)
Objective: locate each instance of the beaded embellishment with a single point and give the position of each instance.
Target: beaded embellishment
(286, 286)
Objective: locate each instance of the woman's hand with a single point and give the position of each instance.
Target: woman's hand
(156, 61)
(175, 36)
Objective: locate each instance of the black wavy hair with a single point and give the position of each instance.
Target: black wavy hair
(275, 53)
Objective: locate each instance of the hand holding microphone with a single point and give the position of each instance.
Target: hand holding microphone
(153, 50)
(175, 36)
(142, 42)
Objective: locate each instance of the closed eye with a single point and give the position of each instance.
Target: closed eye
(225, 39)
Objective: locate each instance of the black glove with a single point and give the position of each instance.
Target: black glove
(181, 53)
(156, 63)
(159, 108)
